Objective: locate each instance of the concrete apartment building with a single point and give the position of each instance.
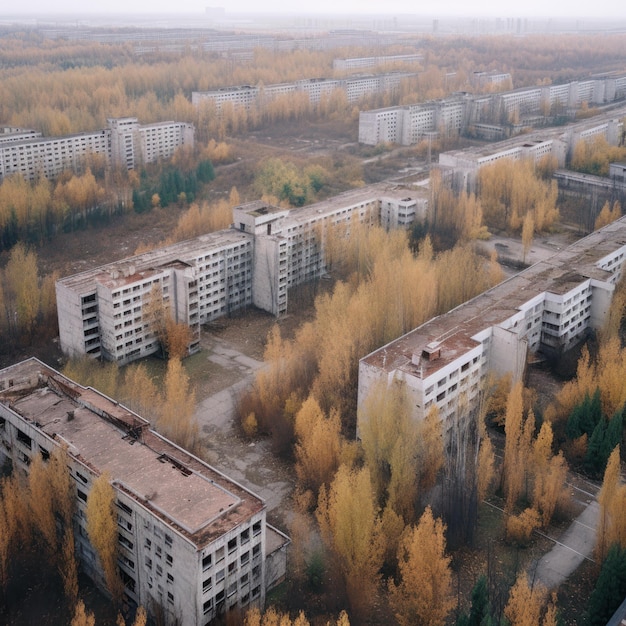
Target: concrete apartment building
(487, 114)
(362, 63)
(190, 539)
(547, 308)
(103, 312)
(462, 166)
(124, 143)
(356, 88)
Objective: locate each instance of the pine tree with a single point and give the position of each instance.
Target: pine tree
(610, 588)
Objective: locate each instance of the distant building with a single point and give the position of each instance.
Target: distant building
(547, 308)
(124, 143)
(488, 115)
(361, 63)
(191, 540)
(102, 312)
(355, 88)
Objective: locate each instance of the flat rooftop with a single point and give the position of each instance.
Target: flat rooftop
(131, 269)
(454, 330)
(186, 493)
(152, 262)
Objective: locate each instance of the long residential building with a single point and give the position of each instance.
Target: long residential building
(547, 308)
(462, 166)
(190, 540)
(355, 88)
(489, 115)
(104, 312)
(361, 63)
(124, 143)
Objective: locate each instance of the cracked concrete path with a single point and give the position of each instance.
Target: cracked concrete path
(574, 546)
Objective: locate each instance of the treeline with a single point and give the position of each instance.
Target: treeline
(27, 301)
(594, 157)
(75, 87)
(35, 211)
(511, 196)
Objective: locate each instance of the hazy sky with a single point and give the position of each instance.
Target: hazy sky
(601, 9)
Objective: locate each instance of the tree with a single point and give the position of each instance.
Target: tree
(610, 588)
(351, 529)
(486, 468)
(611, 527)
(102, 531)
(423, 595)
(176, 417)
(318, 448)
(82, 617)
(23, 280)
(525, 602)
(528, 230)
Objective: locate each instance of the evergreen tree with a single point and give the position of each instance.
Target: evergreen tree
(610, 588)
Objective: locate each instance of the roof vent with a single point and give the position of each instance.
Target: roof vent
(432, 351)
(70, 416)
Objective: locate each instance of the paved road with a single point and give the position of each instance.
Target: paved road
(575, 545)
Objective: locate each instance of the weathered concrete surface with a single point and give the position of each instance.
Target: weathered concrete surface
(570, 551)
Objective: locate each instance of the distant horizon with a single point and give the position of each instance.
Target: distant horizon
(602, 10)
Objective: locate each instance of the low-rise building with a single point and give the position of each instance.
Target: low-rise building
(547, 308)
(191, 540)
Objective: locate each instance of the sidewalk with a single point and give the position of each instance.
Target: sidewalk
(576, 545)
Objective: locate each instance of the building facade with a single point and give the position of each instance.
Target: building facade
(105, 312)
(491, 115)
(355, 88)
(190, 540)
(124, 143)
(547, 309)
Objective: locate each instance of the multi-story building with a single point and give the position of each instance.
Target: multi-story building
(356, 88)
(361, 63)
(547, 308)
(190, 540)
(104, 312)
(490, 115)
(463, 165)
(124, 143)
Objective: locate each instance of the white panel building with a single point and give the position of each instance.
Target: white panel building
(190, 540)
(104, 312)
(547, 308)
(123, 143)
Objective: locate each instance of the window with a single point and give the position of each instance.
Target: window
(148, 563)
(232, 567)
(232, 545)
(81, 495)
(169, 559)
(256, 550)
(148, 544)
(244, 579)
(159, 570)
(170, 578)
(232, 589)
(245, 557)
(219, 554)
(170, 597)
(256, 529)
(206, 562)
(219, 576)
(168, 540)
(256, 571)
(24, 439)
(207, 606)
(207, 583)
